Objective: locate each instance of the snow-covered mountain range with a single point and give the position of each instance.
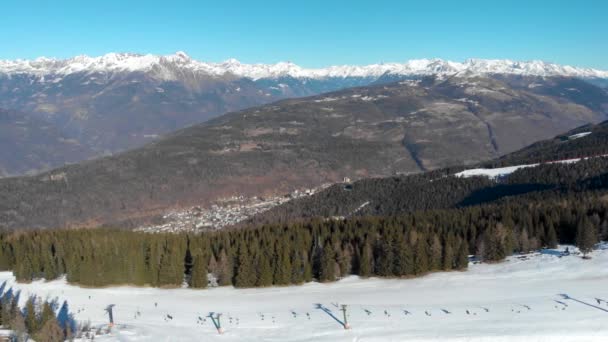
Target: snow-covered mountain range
(120, 101)
(170, 67)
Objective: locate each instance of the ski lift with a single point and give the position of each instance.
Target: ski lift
(108, 309)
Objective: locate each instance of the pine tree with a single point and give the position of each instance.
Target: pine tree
(50, 332)
(171, 267)
(245, 276)
(224, 269)
(265, 274)
(462, 260)
(435, 253)
(365, 262)
(384, 257)
(421, 259)
(297, 269)
(551, 236)
(17, 324)
(198, 277)
(213, 267)
(604, 230)
(307, 268)
(586, 237)
(448, 254)
(327, 266)
(404, 262)
(31, 315)
(282, 272)
(524, 241)
(345, 258)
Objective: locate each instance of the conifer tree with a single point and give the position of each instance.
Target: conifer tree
(551, 236)
(421, 264)
(524, 241)
(404, 260)
(47, 313)
(384, 257)
(462, 260)
(245, 276)
(31, 315)
(50, 332)
(170, 272)
(366, 260)
(282, 273)
(327, 265)
(448, 254)
(224, 266)
(307, 268)
(265, 274)
(198, 277)
(297, 269)
(586, 237)
(435, 253)
(17, 324)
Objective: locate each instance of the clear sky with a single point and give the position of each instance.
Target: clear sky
(309, 32)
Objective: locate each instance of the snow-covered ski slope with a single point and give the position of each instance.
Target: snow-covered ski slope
(517, 300)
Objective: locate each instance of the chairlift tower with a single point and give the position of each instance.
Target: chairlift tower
(346, 325)
(109, 310)
(216, 321)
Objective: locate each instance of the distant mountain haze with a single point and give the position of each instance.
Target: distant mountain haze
(115, 102)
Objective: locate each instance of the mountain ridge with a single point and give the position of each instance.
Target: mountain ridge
(162, 66)
(116, 102)
(380, 130)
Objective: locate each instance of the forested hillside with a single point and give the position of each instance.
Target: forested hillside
(376, 131)
(411, 225)
(406, 245)
(441, 189)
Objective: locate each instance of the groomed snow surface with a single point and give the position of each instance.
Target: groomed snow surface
(516, 300)
(503, 171)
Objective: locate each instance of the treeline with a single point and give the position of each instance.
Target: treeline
(325, 250)
(43, 320)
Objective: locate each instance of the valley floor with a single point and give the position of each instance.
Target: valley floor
(517, 300)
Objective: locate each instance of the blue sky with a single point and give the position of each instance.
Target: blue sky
(311, 33)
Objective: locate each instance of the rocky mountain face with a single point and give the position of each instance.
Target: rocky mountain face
(115, 102)
(402, 127)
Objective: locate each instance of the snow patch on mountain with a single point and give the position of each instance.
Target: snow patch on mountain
(578, 135)
(170, 66)
(504, 171)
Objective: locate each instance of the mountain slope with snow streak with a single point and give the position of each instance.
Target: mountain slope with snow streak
(172, 66)
(504, 171)
(516, 300)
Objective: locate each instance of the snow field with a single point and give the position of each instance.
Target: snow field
(517, 300)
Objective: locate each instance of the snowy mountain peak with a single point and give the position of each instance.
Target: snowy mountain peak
(183, 55)
(165, 67)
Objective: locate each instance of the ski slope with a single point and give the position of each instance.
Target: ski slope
(516, 300)
(507, 170)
